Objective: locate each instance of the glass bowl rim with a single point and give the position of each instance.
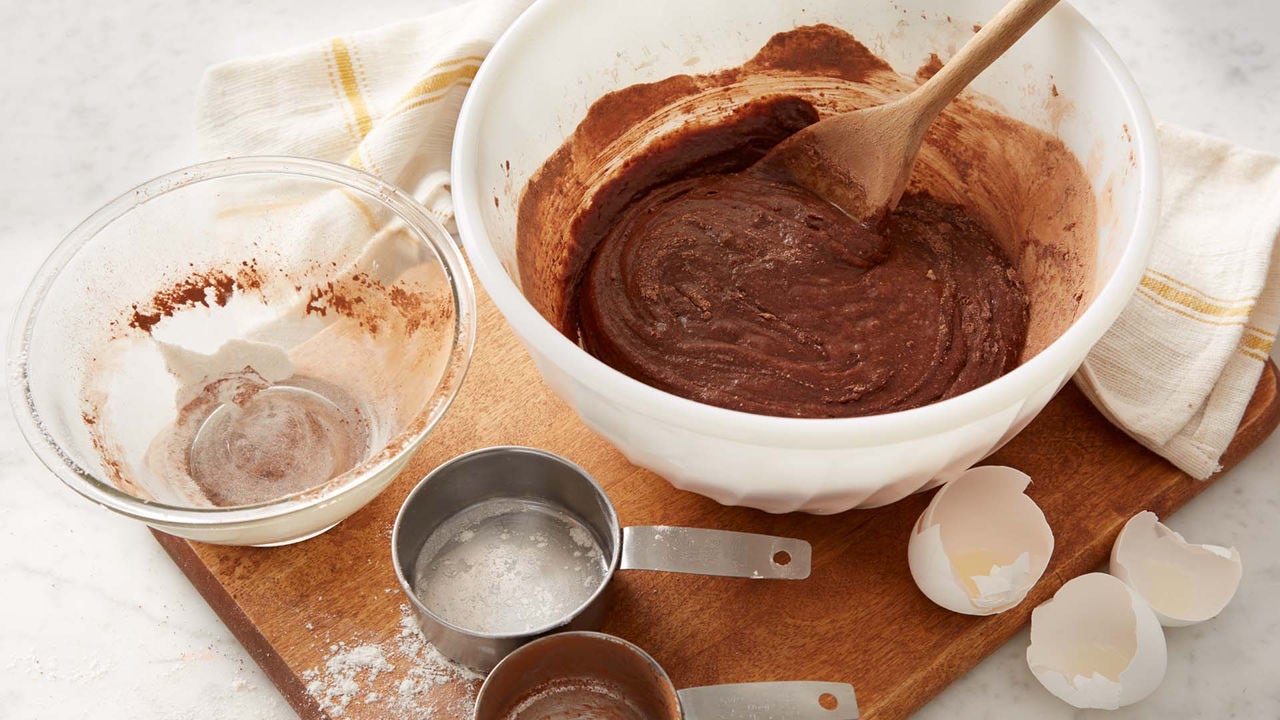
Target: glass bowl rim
(426, 228)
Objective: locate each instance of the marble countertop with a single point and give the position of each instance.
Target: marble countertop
(99, 623)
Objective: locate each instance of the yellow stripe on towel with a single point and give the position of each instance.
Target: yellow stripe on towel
(1194, 290)
(1252, 354)
(1253, 342)
(351, 88)
(441, 75)
(1260, 332)
(1176, 310)
(428, 90)
(1196, 304)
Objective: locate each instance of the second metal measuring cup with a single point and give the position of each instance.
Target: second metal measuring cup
(593, 675)
(500, 546)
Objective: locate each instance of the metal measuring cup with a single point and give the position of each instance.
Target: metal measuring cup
(593, 675)
(514, 503)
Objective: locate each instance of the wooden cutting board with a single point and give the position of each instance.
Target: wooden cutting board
(858, 618)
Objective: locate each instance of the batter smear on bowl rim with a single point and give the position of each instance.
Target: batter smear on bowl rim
(689, 271)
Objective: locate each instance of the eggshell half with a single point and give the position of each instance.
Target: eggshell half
(981, 544)
(1097, 644)
(1183, 583)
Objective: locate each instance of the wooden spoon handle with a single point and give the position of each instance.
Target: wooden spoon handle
(997, 36)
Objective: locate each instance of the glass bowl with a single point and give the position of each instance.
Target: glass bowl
(245, 351)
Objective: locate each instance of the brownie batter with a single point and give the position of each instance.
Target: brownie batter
(755, 295)
(752, 294)
(694, 274)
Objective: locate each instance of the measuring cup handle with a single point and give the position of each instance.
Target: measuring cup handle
(715, 552)
(770, 701)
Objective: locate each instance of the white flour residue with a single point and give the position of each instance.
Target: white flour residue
(583, 538)
(392, 680)
(508, 565)
(344, 670)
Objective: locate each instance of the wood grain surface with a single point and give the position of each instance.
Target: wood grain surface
(858, 618)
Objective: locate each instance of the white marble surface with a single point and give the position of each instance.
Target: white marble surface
(97, 622)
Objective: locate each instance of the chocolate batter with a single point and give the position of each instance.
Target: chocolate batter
(755, 295)
(692, 273)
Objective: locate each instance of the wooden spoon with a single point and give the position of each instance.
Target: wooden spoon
(860, 161)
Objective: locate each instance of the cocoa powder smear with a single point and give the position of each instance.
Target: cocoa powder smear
(199, 288)
(334, 368)
(693, 273)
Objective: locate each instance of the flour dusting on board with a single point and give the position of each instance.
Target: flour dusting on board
(394, 679)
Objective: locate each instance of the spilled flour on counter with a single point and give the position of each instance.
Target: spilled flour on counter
(393, 680)
(342, 672)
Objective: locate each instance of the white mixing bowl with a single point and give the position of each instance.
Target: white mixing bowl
(562, 55)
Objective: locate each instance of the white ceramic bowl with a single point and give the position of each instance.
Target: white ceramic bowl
(562, 55)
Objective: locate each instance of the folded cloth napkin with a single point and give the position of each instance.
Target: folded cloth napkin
(1178, 368)
(1175, 372)
(384, 101)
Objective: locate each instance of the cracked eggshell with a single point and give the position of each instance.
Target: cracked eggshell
(1097, 644)
(981, 544)
(1183, 583)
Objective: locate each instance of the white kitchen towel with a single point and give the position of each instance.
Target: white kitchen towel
(1175, 372)
(384, 101)
(1178, 368)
